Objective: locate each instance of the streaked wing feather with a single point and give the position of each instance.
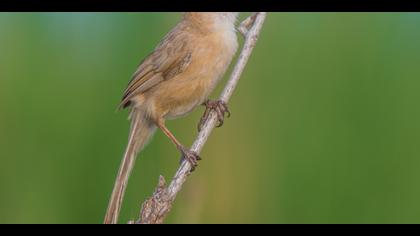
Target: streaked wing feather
(168, 60)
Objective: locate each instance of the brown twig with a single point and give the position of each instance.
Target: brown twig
(155, 209)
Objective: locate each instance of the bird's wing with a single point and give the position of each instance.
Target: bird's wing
(170, 58)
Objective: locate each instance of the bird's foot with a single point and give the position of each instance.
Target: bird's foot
(220, 107)
(191, 156)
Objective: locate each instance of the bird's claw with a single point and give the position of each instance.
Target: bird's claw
(220, 107)
(191, 156)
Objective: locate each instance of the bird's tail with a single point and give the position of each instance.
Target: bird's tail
(142, 129)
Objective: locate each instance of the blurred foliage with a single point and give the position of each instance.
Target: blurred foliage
(324, 128)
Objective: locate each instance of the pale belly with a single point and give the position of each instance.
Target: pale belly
(181, 111)
(183, 97)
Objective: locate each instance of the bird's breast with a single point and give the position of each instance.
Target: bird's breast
(213, 56)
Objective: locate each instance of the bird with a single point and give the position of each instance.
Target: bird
(177, 77)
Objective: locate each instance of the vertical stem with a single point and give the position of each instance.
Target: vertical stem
(155, 209)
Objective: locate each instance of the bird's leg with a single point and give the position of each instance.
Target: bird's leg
(191, 156)
(219, 107)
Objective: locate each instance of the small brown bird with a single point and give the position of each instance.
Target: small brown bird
(175, 78)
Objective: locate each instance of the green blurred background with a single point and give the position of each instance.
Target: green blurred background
(325, 124)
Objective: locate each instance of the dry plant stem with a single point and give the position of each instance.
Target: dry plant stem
(247, 23)
(155, 209)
